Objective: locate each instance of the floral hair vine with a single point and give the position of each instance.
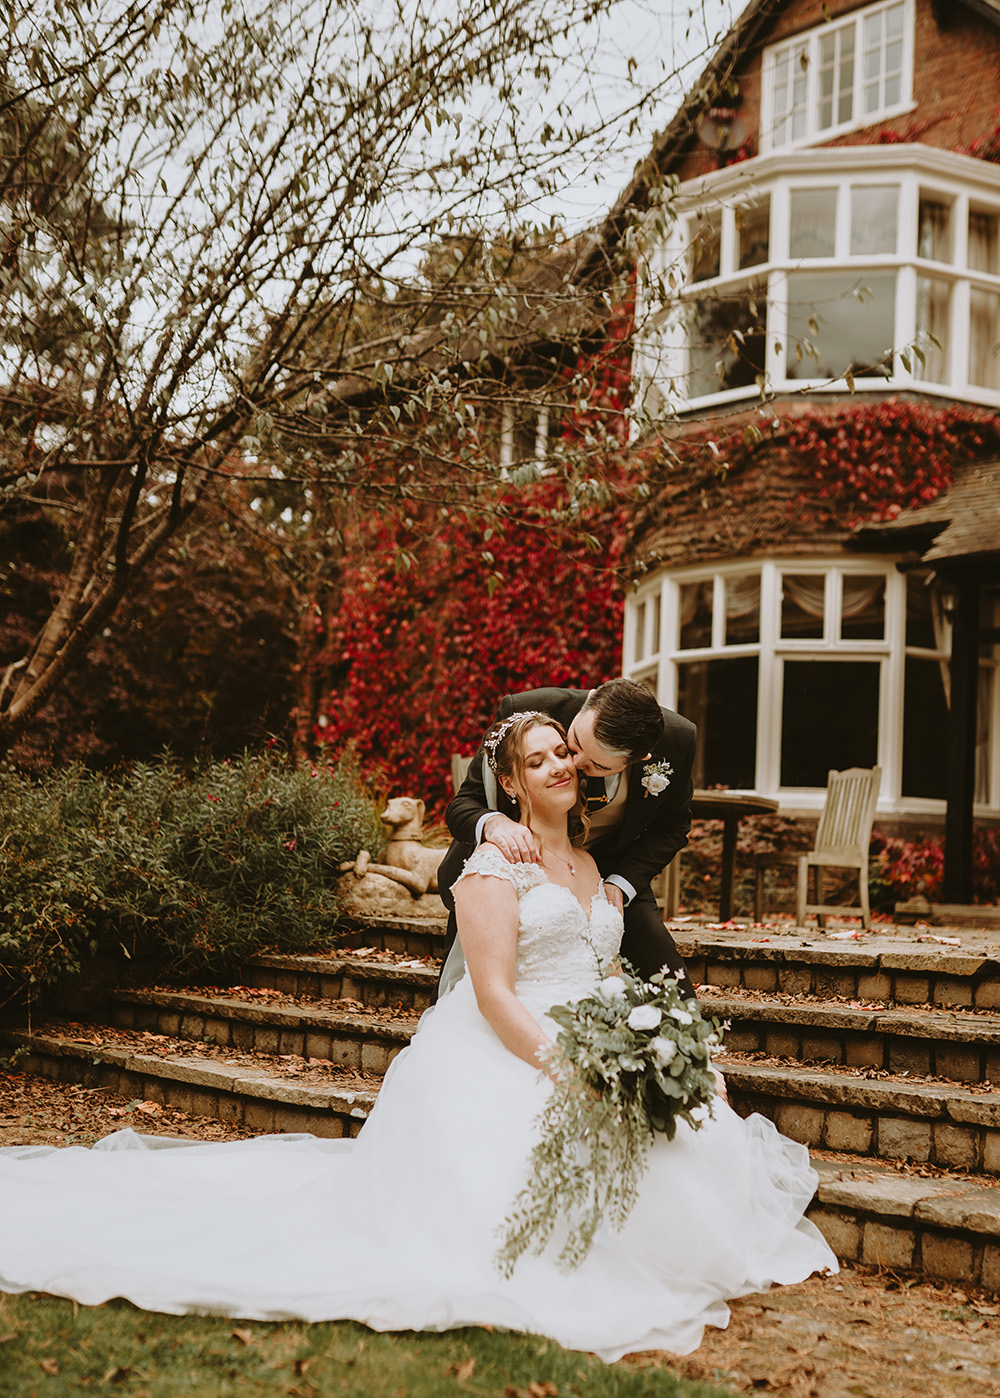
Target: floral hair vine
(493, 740)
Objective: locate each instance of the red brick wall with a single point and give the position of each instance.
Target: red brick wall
(956, 83)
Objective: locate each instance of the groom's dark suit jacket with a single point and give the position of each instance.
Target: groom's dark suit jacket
(652, 830)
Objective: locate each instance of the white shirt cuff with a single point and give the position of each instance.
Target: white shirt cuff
(480, 823)
(624, 885)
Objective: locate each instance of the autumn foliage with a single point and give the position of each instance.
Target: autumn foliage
(428, 650)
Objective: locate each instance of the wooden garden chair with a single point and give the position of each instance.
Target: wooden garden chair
(842, 838)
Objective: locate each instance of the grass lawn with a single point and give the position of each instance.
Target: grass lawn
(50, 1347)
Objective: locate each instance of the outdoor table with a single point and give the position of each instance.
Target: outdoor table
(730, 807)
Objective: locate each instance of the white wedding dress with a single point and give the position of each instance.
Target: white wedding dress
(399, 1228)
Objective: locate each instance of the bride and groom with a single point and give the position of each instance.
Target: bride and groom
(400, 1228)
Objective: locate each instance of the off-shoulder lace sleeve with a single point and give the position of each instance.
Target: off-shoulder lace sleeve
(487, 859)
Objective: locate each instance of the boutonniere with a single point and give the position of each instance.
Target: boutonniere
(656, 777)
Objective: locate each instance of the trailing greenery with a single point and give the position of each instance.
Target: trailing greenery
(198, 870)
(51, 1346)
(630, 1060)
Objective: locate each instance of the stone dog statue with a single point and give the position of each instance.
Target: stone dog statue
(406, 884)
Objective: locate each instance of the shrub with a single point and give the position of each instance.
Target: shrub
(903, 869)
(197, 871)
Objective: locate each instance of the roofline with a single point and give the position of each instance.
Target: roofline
(716, 73)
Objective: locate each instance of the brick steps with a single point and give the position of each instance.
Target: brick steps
(376, 983)
(234, 1092)
(408, 938)
(786, 997)
(946, 1228)
(927, 1122)
(894, 971)
(925, 1043)
(349, 1039)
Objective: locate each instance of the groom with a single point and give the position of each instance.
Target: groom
(634, 761)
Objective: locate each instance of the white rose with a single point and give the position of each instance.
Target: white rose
(644, 1017)
(682, 1016)
(612, 986)
(664, 1049)
(655, 783)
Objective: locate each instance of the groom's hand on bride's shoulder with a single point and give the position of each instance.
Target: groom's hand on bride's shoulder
(515, 842)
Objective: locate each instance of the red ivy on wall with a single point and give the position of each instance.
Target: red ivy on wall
(427, 650)
(862, 460)
(430, 650)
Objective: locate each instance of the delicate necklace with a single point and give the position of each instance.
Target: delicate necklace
(569, 866)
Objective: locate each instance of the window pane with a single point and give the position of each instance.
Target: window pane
(657, 619)
(934, 230)
(726, 341)
(984, 332)
(742, 609)
(862, 608)
(754, 227)
(873, 219)
(851, 324)
(790, 87)
(925, 627)
(836, 77)
(925, 724)
(696, 614)
(845, 75)
(933, 320)
(984, 731)
(720, 696)
(639, 649)
(827, 59)
(813, 229)
(706, 247)
(983, 241)
(802, 606)
(829, 719)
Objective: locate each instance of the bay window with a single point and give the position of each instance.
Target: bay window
(868, 265)
(791, 668)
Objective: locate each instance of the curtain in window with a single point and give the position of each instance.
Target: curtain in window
(742, 595)
(808, 593)
(858, 594)
(983, 241)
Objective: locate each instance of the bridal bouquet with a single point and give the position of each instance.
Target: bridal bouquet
(630, 1060)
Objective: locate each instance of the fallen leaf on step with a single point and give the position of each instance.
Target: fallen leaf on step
(245, 1337)
(49, 1366)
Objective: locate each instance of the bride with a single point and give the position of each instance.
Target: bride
(399, 1229)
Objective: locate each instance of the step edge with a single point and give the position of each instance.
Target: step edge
(216, 1076)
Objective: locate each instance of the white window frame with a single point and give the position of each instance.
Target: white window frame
(965, 185)
(508, 428)
(659, 670)
(802, 56)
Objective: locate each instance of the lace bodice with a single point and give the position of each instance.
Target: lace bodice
(560, 950)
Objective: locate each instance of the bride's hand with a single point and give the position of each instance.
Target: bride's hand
(720, 1085)
(515, 842)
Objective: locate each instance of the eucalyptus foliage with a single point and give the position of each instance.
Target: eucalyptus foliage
(631, 1060)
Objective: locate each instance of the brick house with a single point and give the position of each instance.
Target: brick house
(818, 352)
